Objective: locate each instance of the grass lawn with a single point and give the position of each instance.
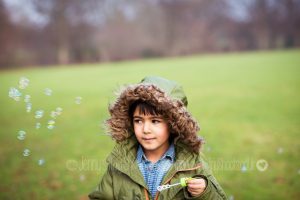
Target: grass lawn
(247, 104)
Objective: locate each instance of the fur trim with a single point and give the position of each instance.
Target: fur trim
(182, 126)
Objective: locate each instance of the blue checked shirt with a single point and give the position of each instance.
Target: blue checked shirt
(153, 173)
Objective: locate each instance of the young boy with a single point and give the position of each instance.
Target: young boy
(157, 144)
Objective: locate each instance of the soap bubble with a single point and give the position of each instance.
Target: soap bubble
(53, 114)
(244, 168)
(41, 161)
(28, 107)
(82, 177)
(38, 125)
(78, 100)
(51, 124)
(39, 114)
(58, 110)
(21, 135)
(27, 98)
(208, 148)
(56, 113)
(280, 150)
(26, 152)
(14, 93)
(23, 82)
(231, 197)
(48, 92)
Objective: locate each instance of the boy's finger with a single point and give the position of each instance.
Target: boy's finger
(196, 181)
(196, 187)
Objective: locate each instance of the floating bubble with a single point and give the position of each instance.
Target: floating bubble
(27, 98)
(280, 150)
(208, 149)
(23, 82)
(59, 110)
(51, 124)
(41, 161)
(28, 107)
(26, 152)
(21, 135)
(14, 93)
(244, 168)
(39, 114)
(53, 114)
(48, 92)
(38, 125)
(82, 177)
(231, 197)
(56, 113)
(78, 100)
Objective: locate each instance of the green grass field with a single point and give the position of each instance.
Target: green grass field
(247, 104)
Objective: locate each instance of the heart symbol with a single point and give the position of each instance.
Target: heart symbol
(262, 165)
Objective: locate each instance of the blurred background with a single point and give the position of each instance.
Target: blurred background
(48, 32)
(61, 61)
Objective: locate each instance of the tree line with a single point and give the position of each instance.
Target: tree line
(75, 31)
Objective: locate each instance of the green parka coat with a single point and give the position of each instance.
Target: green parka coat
(123, 179)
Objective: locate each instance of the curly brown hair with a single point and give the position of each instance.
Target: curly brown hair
(183, 127)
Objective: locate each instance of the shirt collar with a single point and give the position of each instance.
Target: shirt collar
(170, 153)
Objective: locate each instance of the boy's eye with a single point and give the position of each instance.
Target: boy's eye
(154, 121)
(137, 121)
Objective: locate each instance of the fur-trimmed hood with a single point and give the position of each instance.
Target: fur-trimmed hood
(167, 96)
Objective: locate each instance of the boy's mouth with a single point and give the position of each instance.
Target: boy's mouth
(148, 139)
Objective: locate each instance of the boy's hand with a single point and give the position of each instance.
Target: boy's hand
(196, 186)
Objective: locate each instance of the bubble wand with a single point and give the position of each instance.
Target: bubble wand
(183, 183)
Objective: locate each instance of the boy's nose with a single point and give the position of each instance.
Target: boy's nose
(146, 128)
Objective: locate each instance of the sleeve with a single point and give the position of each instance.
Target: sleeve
(213, 190)
(104, 191)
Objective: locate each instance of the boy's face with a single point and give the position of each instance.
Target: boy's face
(151, 131)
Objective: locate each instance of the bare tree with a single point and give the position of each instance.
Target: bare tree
(75, 31)
(6, 37)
